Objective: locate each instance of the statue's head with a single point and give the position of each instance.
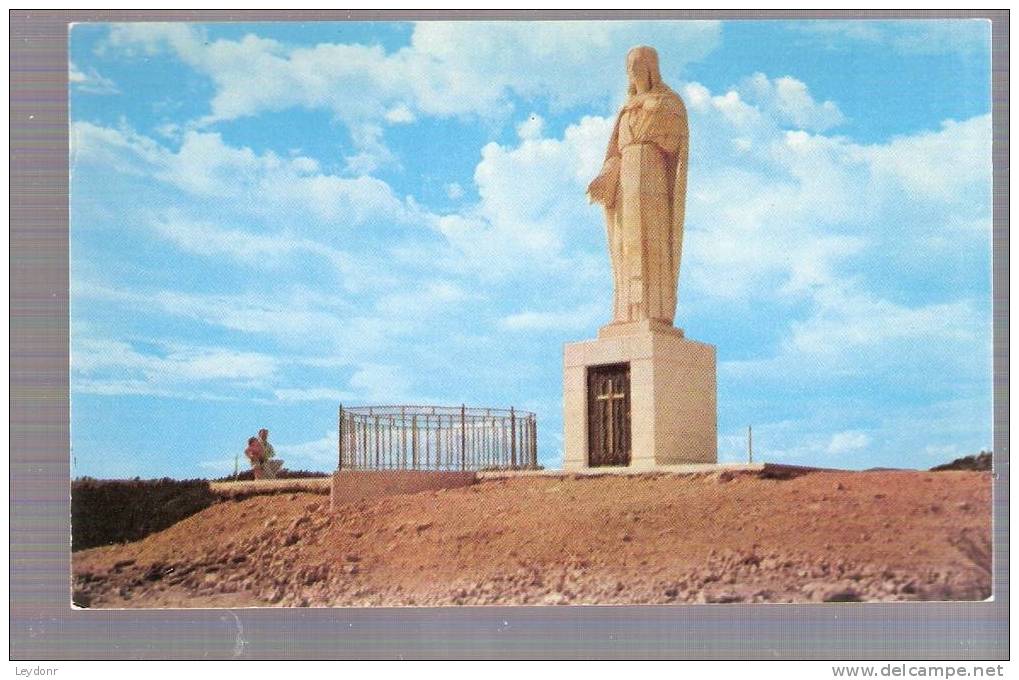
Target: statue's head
(642, 69)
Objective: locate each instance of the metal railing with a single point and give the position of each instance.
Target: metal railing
(436, 438)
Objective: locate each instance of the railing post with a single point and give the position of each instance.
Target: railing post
(513, 438)
(387, 440)
(463, 436)
(534, 441)
(339, 443)
(366, 460)
(414, 442)
(378, 458)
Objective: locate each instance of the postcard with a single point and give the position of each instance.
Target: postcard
(446, 313)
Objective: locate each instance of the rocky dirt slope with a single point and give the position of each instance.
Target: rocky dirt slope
(822, 536)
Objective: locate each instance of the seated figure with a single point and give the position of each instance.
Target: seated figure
(256, 456)
(270, 466)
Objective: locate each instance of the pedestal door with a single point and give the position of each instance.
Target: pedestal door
(608, 415)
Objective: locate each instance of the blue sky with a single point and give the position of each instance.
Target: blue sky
(270, 219)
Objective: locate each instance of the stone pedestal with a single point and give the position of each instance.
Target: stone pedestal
(673, 417)
(350, 486)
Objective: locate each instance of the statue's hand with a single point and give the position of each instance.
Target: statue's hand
(596, 190)
(602, 188)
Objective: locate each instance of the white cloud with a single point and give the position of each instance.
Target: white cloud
(531, 128)
(944, 453)
(790, 101)
(424, 300)
(947, 166)
(148, 38)
(265, 184)
(400, 114)
(268, 251)
(90, 81)
(932, 36)
(532, 209)
(297, 394)
(103, 366)
(315, 454)
(470, 66)
(186, 363)
(172, 131)
(308, 333)
(846, 319)
(372, 153)
(851, 332)
(900, 435)
(844, 442)
(161, 368)
(137, 387)
(117, 150)
(288, 207)
(380, 383)
(449, 68)
(294, 317)
(221, 363)
(567, 320)
(773, 210)
(210, 239)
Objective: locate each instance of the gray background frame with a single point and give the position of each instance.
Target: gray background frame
(44, 627)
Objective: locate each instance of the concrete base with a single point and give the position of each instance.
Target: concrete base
(673, 416)
(358, 485)
(615, 329)
(768, 470)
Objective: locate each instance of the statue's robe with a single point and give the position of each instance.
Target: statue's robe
(648, 152)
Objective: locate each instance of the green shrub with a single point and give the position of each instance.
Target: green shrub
(106, 511)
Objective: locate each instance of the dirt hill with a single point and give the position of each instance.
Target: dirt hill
(981, 461)
(822, 536)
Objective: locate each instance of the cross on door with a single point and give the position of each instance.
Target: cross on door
(613, 399)
(608, 406)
